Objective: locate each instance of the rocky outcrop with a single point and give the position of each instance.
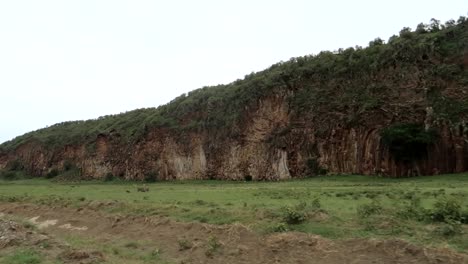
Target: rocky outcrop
(273, 145)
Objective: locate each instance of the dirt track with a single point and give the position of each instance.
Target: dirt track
(234, 243)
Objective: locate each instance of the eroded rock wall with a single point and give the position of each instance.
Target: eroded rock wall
(274, 144)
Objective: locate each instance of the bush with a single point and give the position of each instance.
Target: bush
(316, 205)
(366, 210)
(213, 246)
(449, 229)
(24, 257)
(278, 228)
(447, 210)
(14, 166)
(184, 244)
(295, 215)
(413, 210)
(247, 178)
(8, 175)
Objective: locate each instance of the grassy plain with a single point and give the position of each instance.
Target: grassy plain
(336, 207)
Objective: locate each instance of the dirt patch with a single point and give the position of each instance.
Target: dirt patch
(203, 243)
(42, 224)
(74, 228)
(15, 234)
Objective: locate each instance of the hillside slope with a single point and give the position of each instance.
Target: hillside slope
(395, 109)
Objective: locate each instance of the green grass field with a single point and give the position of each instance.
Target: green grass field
(430, 210)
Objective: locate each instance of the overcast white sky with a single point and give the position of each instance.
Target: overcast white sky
(69, 60)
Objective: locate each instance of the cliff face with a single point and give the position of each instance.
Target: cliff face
(254, 153)
(319, 114)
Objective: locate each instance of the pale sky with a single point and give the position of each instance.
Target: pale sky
(71, 60)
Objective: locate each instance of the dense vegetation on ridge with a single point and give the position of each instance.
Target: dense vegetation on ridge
(343, 85)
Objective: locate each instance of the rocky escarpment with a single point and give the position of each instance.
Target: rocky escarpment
(311, 115)
(162, 155)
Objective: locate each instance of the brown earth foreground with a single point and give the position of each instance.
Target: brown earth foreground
(193, 242)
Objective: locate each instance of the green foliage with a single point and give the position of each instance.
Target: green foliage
(8, 175)
(413, 209)
(212, 246)
(184, 244)
(295, 215)
(316, 205)
(14, 165)
(24, 257)
(446, 210)
(407, 142)
(449, 229)
(366, 210)
(261, 205)
(448, 108)
(278, 228)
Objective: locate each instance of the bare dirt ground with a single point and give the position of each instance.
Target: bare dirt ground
(194, 242)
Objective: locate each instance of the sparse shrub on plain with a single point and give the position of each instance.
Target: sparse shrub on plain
(12, 199)
(446, 209)
(278, 228)
(366, 210)
(199, 202)
(213, 246)
(26, 256)
(316, 205)
(413, 210)
(184, 244)
(449, 228)
(295, 215)
(155, 254)
(29, 225)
